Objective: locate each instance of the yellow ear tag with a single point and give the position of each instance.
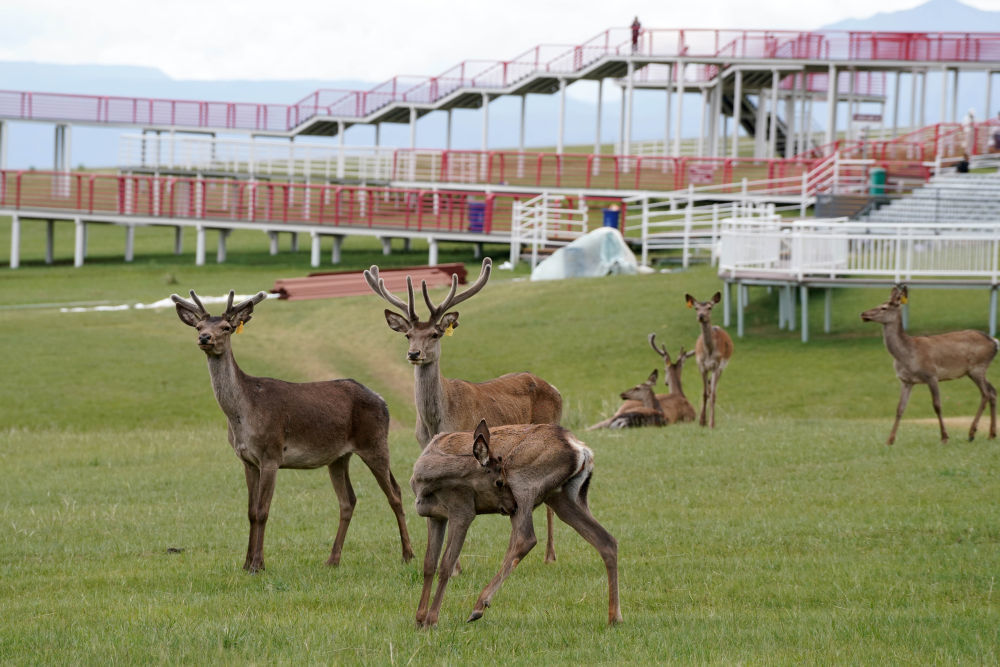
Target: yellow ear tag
(239, 327)
(902, 299)
(450, 331)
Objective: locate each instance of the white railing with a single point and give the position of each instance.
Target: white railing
(831, 249)
(545, 221)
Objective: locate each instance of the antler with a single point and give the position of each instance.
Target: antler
(377, 285)
(662, 351)
(454, 299)
(252, 301)
(197, 308)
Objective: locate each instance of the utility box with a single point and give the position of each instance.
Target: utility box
(877, 178)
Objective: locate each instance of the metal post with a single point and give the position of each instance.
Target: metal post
(274, 242)
(560, 134)
(521, 129)
(895, 107)
(432, 251)
(620, 148)
(986, 110)
(804, 294)
(80, 242)
(220, 252)
(993, 310)
(335, 254)
(314, 249)
(340, 152)
(772, 135)
(922, 121)
(413, 144)
(630, 105)
(737, 113)
(666, 115)
(129, 242)
(701, 124)
(725, 304)
(447, 132)
(739, 310)
(15, 242)
(600, 107)
(3, 149)
(680, 108)
(827, 310)
(199, 252)
(50, 238)
(954, 95)
(178, 240)
(831, 110)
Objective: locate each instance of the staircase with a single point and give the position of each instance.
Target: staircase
(953, 197)
(544, 224)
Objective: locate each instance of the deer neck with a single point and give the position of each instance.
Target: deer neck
(429, 395)
(675, 381)
(708, 338)
(649, 400)
(897, 341)
(227, 383)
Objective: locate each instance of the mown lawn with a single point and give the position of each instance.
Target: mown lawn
(789, 534)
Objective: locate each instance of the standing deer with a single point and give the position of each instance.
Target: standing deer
(510, 470)
(932, 359)
(712, 350)
(675, 405)
(445, 405)
(275, 424)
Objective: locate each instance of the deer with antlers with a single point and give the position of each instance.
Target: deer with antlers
(932, 359)
(674, 404)
(712, 350)
(444, 404)
(275, 424)
(508, 470)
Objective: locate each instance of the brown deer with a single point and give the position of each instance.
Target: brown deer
(675, 405)
(647, 413)
(445, 405)
(509, 470)
(932, 359)
(275, 424)
(712, 350)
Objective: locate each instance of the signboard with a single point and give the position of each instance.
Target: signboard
(701, 174)
(868, 117)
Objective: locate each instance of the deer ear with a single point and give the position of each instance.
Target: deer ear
(481, 443)
(396, 321)
(449, 320)
(653, 376)
(187, 316)
(689, 300)
(717, 297)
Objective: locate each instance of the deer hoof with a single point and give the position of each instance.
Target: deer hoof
(474, 616)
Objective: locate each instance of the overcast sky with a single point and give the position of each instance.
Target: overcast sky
(372, 41)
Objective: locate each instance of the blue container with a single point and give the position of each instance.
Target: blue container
(477, 216)
(611, 217)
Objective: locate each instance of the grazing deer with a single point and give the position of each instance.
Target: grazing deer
(510, 470)
(445, 405)
(712, 351)
(649, 412)
(275, 424)
(675, 405)
(932, 359)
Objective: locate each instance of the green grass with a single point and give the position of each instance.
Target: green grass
(789, 534)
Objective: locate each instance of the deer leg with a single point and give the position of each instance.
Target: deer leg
(456, 537)
(550, 547)
(265, 491)
(577, 514)
(704, 396)
(993, 409)
(435, 537)
(253, 482)
(904, 398)
(715, 388)
(341, 479)
(379, 465)
(932, 384)
(522, 540)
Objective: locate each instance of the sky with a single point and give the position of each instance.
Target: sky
(370, 41)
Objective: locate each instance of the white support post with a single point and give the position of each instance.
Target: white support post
(827, 310)
(986, 110)
(3, 149)
(620, 148)
(273, 250)
(432, 251)
(295, 242)
(630, 106)
(220, 252)
(129, 242)
(447, 132)
(340, 151)
(15, 242)
(199, 248)
(485, 138)
(804, 295)
(522, 125)
(386, 245)
(954, 95)
(600, 107)
(895, 106)
(335, 254)
(80, 242)
(993, 310)
(680, 108)
(50, 240)
(772, 135)
(914, 79)
(739, 310)
(760, 126)
(737, 112)
(666, 113)
(314, 249)
(700, 146)
(831, 107)
(561, 131)
(726, 318)
(922, 121)
(178, 240)
(413, 144)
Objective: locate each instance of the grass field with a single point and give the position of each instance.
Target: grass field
(789, 534)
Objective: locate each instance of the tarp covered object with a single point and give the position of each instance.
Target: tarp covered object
(601, 252)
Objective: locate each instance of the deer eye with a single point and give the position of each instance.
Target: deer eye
(408, 336)
(227, 328)
(499, 483)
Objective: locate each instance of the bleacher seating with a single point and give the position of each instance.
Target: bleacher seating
(352, 283)
(950, 197)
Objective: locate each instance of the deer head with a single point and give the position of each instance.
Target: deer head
(643, 390)
(670, 368)
(445, 478)
(703, 308)
(214, 332)
(889, 311)
(425, 337)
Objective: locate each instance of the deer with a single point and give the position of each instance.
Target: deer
(712, 351)
(445, 404)
(675, 405)
(649, 412)
(933, 359)
(508, 470)
(273, 424)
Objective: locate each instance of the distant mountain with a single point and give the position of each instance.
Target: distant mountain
(932, 16)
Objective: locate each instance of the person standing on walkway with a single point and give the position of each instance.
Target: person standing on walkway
(636, 29)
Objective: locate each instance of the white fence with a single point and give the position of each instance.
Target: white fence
(545, 221)
(832, 249)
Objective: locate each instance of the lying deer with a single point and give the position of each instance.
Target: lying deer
(675, 405)
(275, 424)
(509, 470)
(932, 359)
(648, 413)
(444, 404)
(713, 350)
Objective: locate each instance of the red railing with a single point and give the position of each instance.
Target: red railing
(721, 45)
